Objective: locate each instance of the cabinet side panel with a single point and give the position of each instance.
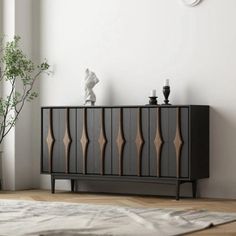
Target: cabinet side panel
(199, 131)
(79, 130)
(44, 151)
(72, 152)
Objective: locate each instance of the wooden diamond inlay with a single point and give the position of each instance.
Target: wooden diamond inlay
(120, 141)
(139, 141)
(158, 142)
(67, 141)
(84, 140)
(102, 141)
(178, 142)
(50, 141)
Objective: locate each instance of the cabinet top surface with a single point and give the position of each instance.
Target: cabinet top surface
(128, 106)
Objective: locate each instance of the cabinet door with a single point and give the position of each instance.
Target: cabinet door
(130, 141)
(58, 140)
(169, 142)
(94, 141)
(159, 142)
(46, 140)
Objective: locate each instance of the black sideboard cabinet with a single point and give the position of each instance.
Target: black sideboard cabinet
(168, 144)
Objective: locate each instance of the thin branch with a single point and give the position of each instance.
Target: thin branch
(2, 75)
(3, 127)
(26, 92)
(21, 107)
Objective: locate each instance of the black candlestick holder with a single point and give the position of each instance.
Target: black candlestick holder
(166, 92)
(153, 100)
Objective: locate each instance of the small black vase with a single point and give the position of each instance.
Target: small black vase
(166, 92)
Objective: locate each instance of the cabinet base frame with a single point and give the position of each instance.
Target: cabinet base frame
(171, 181)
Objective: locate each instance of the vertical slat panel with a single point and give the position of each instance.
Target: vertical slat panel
(102, 141)
(72, 129)
(120, 141)
(164, 158)
(115, 120)
(139, 141)
(129, 154)
(145, 163)
(152, 150)
(108, 148)
(84, 141)
(67, 140)
(94, 160)
(178, 142)
(59, 127)
(79, 147)
(50, 141)
(158, 142)
(92, 149)
(44, 146)
(172, 164)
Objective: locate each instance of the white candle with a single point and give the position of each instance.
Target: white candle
(153, 93)
(167, 82)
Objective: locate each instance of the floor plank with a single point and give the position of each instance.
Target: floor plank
(134, 201)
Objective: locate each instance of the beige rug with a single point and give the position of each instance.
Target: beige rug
(56, 218)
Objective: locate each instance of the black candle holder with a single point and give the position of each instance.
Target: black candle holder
(166, 92)
(153, 100)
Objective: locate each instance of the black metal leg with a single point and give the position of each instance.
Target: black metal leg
(72, 181)
(177, 189)
(194, 188)
(53, 184)
(76, 185)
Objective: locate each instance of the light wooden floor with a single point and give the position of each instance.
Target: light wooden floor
(134, 201)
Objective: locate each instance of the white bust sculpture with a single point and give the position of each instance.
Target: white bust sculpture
(90, 81)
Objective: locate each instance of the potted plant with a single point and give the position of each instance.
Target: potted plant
(18, 75)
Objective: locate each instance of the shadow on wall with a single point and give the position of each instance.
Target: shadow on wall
(1, 30)
(190, 93)
(222, 142)
(222, 146)
(36, 55)
(108, 98)
(1, 17)
(36, 31)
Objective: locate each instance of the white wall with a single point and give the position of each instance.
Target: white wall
(133, 46)
(23, 146)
